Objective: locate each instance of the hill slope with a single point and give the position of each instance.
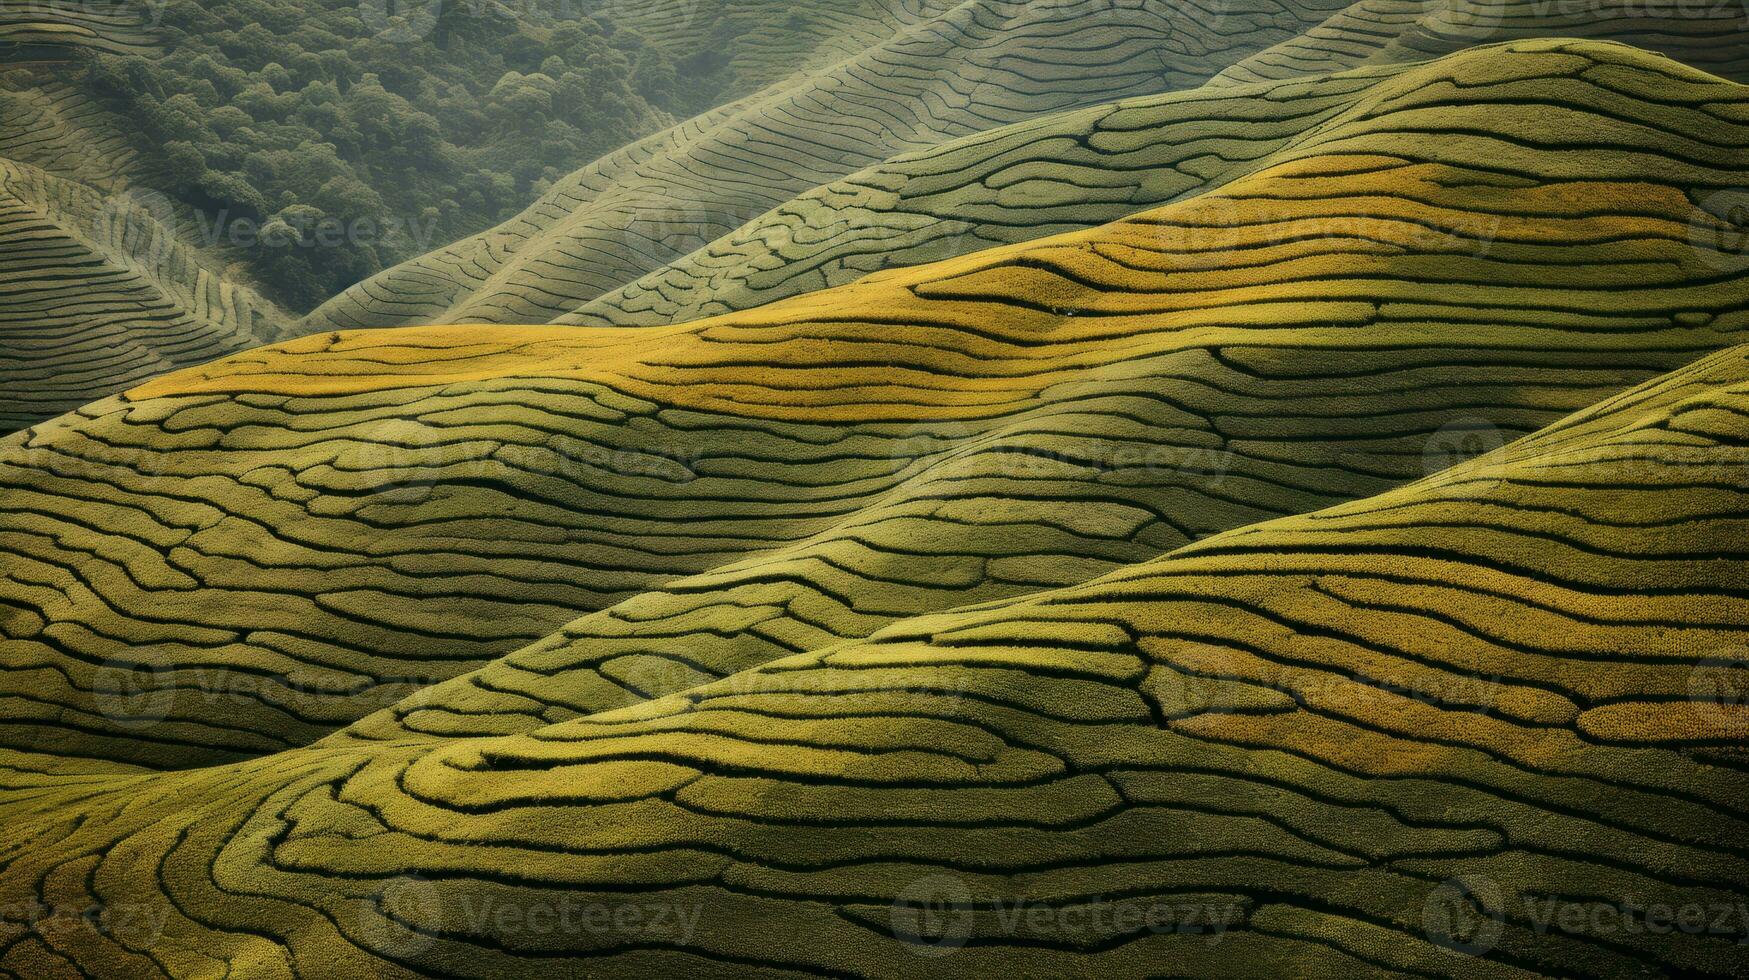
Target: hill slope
(923, 73)
(1405, 735)
(96, 294)
(335, 522)
(49, 30)
(653, 216)
(1081, 169)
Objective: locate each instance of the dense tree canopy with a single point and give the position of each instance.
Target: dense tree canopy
(338, 137)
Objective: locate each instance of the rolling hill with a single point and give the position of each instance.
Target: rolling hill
(1063, 488)
(341, 520)
(617, 237)
(912, 76)
(97, 293)
(1404, 735)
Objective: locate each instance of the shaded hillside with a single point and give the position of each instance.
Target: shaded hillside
(333, 523)
(46, 31)
(398, 125)
(649, 220)
(1404, 735)
(57, 128)
(928, 72)
(1375, 32)
(1085, 168)
(97, 294)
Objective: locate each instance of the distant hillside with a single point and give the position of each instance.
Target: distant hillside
(400, 126)
(924, 74)
(52, 30)
(1066, 171)
(96, 293)
(654, 234)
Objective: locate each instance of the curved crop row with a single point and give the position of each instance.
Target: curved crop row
(1411, 735)
(243, 557)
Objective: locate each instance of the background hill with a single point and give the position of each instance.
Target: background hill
(96, 292)
(640, 237)
(930, 73)
(300, 153)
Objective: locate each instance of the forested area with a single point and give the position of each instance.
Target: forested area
(337, 138)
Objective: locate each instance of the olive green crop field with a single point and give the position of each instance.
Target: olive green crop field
(1019, 488)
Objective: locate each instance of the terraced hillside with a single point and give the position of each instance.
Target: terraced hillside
(1086, 168)
(1402, 736)
(911, 75)
(98, 291)
(640, 237)
(329, 525)
(47, 30)
(97, 294)
(1375, 32)
(55, 127)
